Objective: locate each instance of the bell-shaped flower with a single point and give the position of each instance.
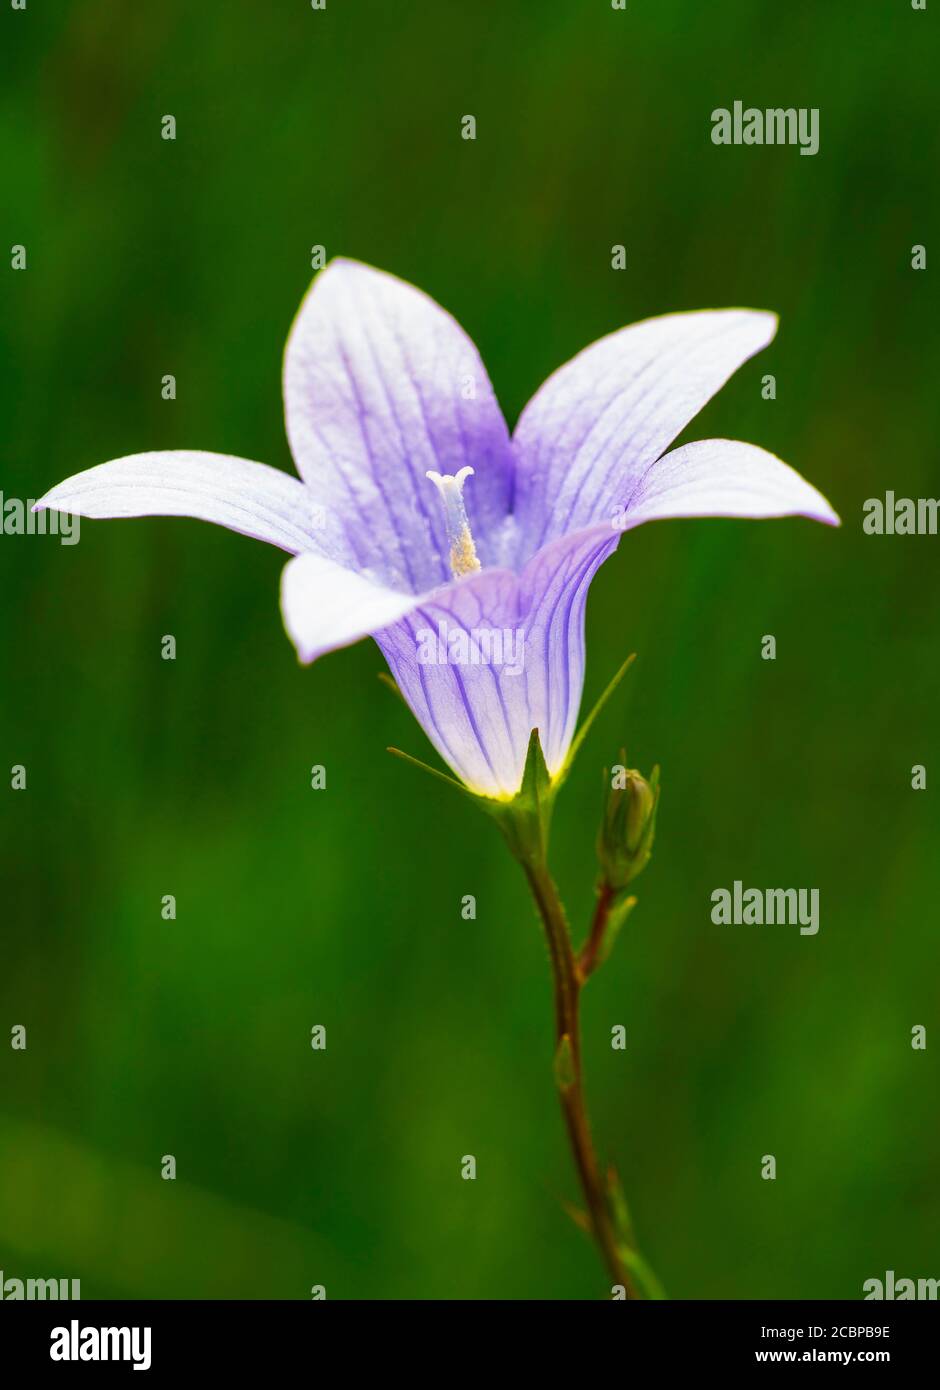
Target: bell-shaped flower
(466, 553)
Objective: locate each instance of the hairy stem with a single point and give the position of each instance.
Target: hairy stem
(588, 958)
(569, 977)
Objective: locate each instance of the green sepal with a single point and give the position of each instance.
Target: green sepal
(524, 818)
(582, 733)
(434, 772)
(392, 685)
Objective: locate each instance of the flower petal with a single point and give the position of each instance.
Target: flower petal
(250, 498)
(485, 661)
(325, 606)
(380, 385)
(479, 712)
(723, 477)
(597, 423)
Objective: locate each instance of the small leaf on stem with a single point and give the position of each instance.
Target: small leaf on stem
(615, 920)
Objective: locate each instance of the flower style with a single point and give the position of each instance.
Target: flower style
(421, 522)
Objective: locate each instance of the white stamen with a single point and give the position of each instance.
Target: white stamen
(463, 554)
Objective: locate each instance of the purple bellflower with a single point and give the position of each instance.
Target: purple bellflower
(466, 553)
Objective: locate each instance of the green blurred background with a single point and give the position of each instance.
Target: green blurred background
(342, 907)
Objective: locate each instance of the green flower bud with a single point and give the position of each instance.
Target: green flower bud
(625, 841)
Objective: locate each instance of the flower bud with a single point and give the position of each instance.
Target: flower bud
(625, 841)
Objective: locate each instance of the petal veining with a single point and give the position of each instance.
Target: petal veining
(381, 385)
